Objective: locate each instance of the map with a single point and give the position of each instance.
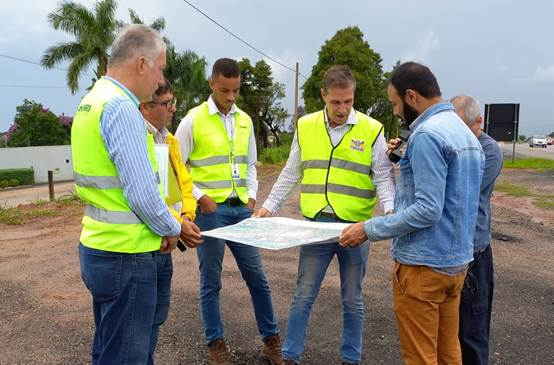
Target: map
(276, 233)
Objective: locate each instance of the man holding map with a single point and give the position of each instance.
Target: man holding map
(339, 156)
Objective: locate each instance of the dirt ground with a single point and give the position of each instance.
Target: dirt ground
(46, 317)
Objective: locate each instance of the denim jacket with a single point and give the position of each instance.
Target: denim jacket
(437, 194)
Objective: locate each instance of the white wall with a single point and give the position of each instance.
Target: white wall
(41, 159)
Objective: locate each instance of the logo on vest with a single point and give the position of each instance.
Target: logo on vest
(358, 145)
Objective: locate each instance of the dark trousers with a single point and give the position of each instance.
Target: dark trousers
(475, 309)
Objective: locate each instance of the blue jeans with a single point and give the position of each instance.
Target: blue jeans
(312, 265)
(164, 264)
(475, 309)
(123, 288)
(250, 264)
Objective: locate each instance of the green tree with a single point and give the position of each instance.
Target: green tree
(260, 97)
(186, 71)
(348, 47)
(551, 135)
(36, 126)
(94, 32)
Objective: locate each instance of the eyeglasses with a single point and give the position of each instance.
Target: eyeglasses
(168, 103)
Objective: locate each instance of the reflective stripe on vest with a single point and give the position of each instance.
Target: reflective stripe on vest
(337, 176)
(109, 224)
(110, 216)
(214, 154)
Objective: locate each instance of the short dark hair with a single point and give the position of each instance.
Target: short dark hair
(163, 89)
(415, 76)
(227, 67)
(338, 76)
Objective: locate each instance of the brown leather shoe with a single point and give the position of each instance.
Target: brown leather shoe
(218, 353)
(271, 350)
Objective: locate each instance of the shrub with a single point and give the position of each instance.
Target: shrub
(4, 184)
(273, 155)
(23, 176)
(13, 182)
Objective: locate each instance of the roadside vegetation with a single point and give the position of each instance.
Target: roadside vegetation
(37, 208)
(539, 164)
(544, 201)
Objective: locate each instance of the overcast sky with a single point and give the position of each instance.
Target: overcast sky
(497, 51)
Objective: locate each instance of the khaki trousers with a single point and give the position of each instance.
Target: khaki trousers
(426, 305)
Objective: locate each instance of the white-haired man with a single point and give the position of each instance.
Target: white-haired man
(477, 293)
(126, 223)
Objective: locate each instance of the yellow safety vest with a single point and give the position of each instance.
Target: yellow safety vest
(109, 224)
(337, 176)
(214, 154)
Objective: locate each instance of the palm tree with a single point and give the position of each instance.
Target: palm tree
(94, 32)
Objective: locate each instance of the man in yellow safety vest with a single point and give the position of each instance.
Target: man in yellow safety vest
(218, 140)
(339, 156)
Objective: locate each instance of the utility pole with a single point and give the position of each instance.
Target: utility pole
(296, 96)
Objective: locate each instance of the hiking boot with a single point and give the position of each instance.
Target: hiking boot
(289, 362)
(349, 363)
(218, 353)
(271, 350)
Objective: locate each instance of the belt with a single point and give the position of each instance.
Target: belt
(330, 216)
(232, 202)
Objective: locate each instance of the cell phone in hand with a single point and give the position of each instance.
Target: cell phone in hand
(396, 155)
(181, 246)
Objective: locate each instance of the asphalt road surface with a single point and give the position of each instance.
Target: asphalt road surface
(524, 151)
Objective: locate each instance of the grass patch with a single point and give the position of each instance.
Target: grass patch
(512, 189)
(274, 155)
(544, 203)
(530, 163)
(68, 199)
(16, 216)
(10, 216)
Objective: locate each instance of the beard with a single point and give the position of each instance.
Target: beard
(410, 114)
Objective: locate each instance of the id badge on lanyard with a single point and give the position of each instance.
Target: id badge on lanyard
(235, 171)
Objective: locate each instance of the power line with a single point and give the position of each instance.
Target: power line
(29, 61)
(242, 40)
(34, 86)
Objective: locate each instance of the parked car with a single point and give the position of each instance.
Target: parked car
(549, 140)
(537, 140)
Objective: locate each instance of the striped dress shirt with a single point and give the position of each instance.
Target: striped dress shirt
(124, 132)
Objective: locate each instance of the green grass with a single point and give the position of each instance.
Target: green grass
(530, 163)
(512, 189)
(543, 201)
(15, 216)
(273, 155)
(10, 216)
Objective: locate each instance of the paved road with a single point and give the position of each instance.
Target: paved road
(14, 197)
(524, 151)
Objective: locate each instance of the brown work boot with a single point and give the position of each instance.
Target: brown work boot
(218, 353)
(272, 350)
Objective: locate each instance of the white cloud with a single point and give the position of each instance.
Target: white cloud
(542, 74)
(424, 46)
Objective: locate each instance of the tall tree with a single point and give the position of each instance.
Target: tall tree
(260, 97)
(94, 33)
(186, 71)
(348, 47)
(35, 125)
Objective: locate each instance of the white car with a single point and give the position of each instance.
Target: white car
(537, 140)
